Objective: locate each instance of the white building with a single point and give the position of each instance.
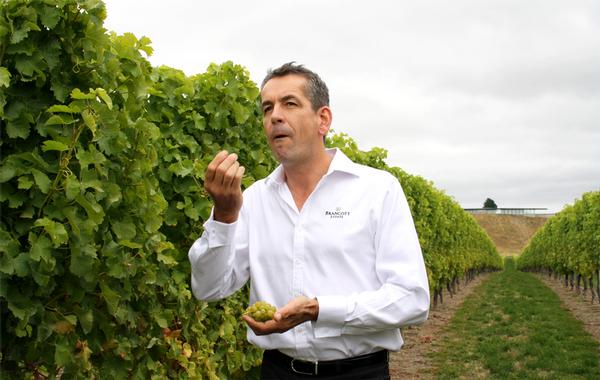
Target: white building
(532, 211)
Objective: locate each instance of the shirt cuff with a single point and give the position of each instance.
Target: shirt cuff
(219, 234)
(332, 316)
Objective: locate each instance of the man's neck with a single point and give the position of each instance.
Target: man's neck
(303, 178)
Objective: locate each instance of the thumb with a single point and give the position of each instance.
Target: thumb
(277, 316)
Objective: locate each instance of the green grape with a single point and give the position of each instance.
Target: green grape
(261, 311)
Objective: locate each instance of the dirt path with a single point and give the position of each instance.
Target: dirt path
(412, 362)
(580, 307)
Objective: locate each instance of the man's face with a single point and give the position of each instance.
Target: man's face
(294, 130)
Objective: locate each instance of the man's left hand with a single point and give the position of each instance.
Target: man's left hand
(297, 311)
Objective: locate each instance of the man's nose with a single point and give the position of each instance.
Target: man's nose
(276, 115)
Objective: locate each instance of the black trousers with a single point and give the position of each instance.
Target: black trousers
(275, 370)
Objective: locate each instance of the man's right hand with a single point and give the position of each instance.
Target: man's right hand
(222, 181)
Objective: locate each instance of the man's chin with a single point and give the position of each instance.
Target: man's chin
(285, 158)
(279, 151)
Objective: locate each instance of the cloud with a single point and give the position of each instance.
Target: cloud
(495, 99)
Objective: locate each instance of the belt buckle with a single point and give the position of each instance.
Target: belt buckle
(305, 373)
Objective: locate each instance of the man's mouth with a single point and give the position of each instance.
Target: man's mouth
(279, 136)
(279, 133)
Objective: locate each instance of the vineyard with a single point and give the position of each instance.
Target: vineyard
(568, 246)
(101, 176)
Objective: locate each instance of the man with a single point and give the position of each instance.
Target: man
(329, 242)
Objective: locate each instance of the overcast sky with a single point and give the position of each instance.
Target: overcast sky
(497, 99)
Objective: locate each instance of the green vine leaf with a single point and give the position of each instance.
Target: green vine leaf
(56, 231)
(4, 77)
(49, 145)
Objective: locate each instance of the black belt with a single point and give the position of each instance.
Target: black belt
(328, 367)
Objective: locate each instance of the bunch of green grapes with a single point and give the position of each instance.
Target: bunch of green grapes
(261, 311)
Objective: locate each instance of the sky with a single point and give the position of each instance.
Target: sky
(486, 99)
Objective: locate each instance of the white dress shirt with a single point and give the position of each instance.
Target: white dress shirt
(353, 246)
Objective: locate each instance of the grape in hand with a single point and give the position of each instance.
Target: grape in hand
(261, 311)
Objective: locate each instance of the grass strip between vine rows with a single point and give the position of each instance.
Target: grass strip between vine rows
(514, 327)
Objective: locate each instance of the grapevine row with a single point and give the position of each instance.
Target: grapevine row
(568, 246)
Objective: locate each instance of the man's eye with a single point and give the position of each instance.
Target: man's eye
(266, 109)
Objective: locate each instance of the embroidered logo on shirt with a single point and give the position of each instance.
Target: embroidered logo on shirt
(337, 214)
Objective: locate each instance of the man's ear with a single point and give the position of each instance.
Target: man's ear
(325, 119)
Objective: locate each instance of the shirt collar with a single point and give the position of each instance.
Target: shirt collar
(340, 162)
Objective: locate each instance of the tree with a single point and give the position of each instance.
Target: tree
(489, 203)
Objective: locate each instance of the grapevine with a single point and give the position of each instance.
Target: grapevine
(568, 246)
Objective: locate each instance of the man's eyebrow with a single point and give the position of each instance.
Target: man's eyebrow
(290, 97)
(283, 99)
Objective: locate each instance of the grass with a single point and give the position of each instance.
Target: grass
(514, 327)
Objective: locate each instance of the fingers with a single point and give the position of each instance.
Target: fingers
(286, 312)
(223, 174)
(237, 181)
(297, 311)
(233, 174)
(211, 169)
(222, 182)
(224, 170)
(264, 328)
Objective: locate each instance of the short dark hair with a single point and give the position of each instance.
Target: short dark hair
(316, 89)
